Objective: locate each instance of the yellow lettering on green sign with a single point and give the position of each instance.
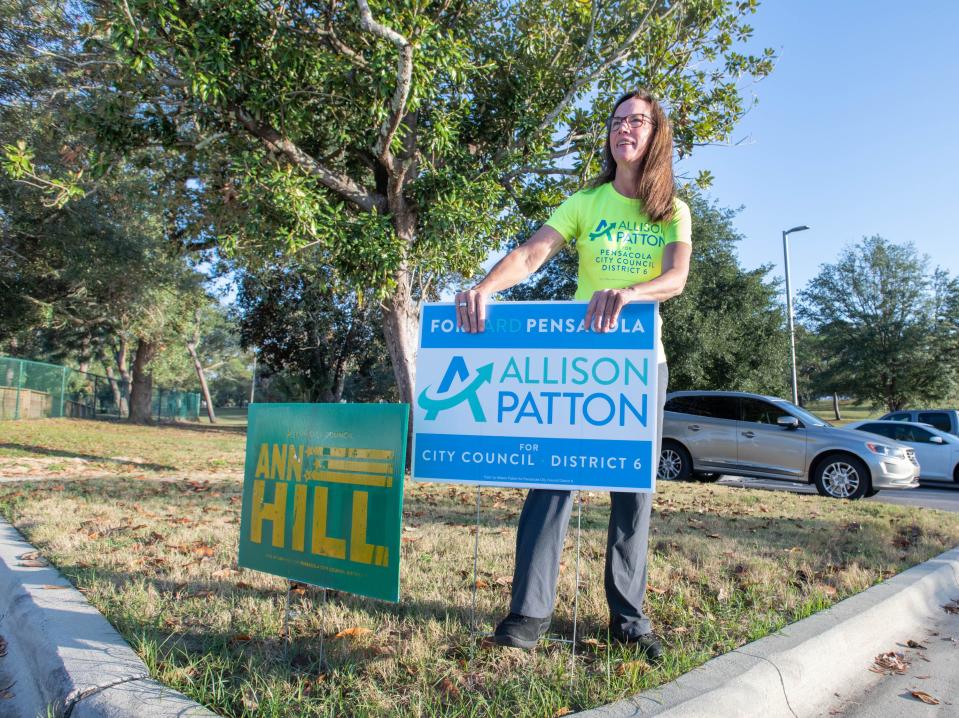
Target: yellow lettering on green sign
(360, 551)
(324, 545)
(274, 512)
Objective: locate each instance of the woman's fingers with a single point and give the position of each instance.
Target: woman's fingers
(470, 310)
(603, 310)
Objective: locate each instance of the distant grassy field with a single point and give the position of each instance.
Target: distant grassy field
(849, 411)
(145, 521)
(226, 417)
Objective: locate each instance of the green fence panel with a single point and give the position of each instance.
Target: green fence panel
(38, 390)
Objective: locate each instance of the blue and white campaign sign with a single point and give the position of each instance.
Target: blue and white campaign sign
(537, 400)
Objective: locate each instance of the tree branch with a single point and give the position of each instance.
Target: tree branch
(404, 78)
(343, 185)
(580, 81)
(543, 171)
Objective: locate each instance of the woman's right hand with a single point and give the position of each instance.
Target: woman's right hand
(471, 310)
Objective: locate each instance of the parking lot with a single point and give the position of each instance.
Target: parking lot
(931, 494)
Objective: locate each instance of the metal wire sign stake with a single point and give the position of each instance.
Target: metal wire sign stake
(475, 564)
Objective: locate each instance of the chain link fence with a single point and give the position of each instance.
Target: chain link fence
(36, 390)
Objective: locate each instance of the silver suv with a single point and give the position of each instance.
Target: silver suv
(710, 433)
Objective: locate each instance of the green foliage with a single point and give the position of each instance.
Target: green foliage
(314, 343)
(886, 326)
(725, 331)
(400, 141)
(483, 79)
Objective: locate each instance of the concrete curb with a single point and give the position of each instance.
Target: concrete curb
(62, 654)
(797, 671)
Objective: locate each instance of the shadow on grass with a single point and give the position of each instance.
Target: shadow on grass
(43, 451)
(184, 425)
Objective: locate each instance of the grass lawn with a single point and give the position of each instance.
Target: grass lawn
(226, 417)
(849, 411)
(146, 526)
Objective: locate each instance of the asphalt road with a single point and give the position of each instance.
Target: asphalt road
(933, 495)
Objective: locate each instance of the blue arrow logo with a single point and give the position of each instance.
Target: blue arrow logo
(457, 370)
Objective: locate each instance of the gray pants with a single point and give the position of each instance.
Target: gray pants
(539, 544)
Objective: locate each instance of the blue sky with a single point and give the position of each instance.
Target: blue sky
(855, 133)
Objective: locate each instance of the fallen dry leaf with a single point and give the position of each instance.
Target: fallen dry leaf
(51, 587)
(3, 646)
(656, 589)
(925, 697)
(890, 662)
(564, 711)
(6, 694)
(952, 607)
(449, 688)
(35, 563)
(480, 583)
(914, 644)
(204, 550)
(241, 638)
(593, 643)
(28, 556)
(629, 666)
(353, 632)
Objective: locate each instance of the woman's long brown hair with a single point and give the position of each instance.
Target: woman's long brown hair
(655, 187)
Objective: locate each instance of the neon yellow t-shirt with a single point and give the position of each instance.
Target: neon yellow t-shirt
(618, 245)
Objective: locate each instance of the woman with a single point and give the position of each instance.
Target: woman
(632, 236)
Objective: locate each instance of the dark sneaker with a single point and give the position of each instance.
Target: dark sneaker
(647, 643)
(519, 631)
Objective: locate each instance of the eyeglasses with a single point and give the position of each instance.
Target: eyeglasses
(634, 122)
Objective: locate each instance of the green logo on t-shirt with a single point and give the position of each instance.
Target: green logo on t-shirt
(645, 233)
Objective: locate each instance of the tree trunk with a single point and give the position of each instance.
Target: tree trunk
(123, 407)
(835, 406)
(401, 319)
(13, 353)
(141, 389)
(201, 375)
(115, 388)
(84, 353)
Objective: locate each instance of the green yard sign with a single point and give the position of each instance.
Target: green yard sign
(323, 495)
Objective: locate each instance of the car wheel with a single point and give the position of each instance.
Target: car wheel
(955, 474)
(674, 463)
(840, 476)
(707, 476)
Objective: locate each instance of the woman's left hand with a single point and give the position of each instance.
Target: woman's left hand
(602, 314)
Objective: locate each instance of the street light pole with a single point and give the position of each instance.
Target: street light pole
(789, 310)
(253, 380)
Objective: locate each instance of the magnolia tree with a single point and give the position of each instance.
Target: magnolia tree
(402, 140)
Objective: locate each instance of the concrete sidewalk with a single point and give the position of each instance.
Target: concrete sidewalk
(62, 656)
(799, 671)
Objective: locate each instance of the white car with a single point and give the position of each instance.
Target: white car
(936, 451)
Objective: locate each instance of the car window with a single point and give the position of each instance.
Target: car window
(915, 434)
(719, 407)
(938, 419)
(887, 430)
(684, 405)
(896, 417)
(758, 411)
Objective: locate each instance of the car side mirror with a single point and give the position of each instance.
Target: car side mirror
(936, 440)
(788, 422)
